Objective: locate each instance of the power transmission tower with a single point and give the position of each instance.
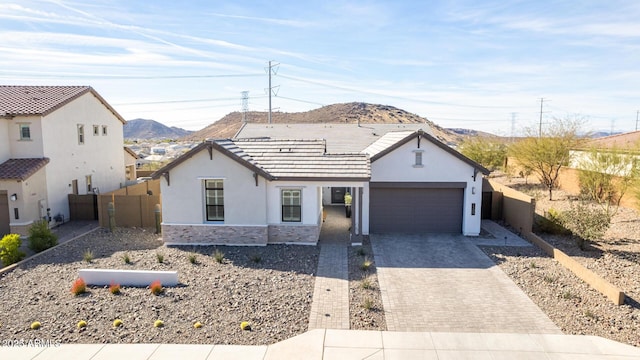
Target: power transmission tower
(513, 124)
(637, 113)
(272, 69)
(245, 105)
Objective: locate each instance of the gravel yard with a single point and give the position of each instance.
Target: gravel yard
(365, 302)
(569, 302)
(270, 287)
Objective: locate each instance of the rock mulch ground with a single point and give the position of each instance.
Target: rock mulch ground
(366, 311)
(569, 302)
(270, 287)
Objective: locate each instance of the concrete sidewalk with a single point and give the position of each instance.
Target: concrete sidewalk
(351, 344)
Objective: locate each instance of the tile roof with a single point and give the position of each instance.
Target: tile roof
(340, 138)
(42, 100)
(307, 159)
(21, 169)
(285, 159)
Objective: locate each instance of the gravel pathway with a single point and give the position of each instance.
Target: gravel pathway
(271, 287)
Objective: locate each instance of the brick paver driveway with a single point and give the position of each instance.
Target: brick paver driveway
(438, 282)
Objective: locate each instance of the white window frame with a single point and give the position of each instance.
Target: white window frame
(418, 159)
(81, 134)
(287, 216)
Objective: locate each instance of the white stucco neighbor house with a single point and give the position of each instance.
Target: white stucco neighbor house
(263, 190)
(55, 141)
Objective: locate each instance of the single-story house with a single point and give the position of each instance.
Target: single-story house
(257, 191)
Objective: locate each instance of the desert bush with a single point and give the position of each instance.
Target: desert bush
(367, 304)
(126, 258)
(78, 287)
(40, 236)
(218, 256)
(160, 257)
(193, 258)
(114, 288)
(366, 264)
(551, 223)
(156, 287)
(10, 249)
(88, 256)
(587, 223)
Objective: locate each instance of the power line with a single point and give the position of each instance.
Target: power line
(39, 75)
(180, 101)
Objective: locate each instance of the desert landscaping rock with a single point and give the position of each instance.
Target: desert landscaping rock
(574, 306)
(270, 287)
(360, 317)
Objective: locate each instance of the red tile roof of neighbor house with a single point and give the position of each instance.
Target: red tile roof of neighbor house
(21, 169)
(42, 100)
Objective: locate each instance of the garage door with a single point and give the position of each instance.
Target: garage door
(4, 215)
(416, 210)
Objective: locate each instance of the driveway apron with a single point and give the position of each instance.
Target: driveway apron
(444, 283)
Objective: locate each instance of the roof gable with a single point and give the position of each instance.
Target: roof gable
(392, 141)
(43, 100)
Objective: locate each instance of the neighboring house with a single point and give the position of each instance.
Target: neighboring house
(130, 164)
(54, 141)
(264, 190)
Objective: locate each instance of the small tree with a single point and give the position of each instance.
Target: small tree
(488, 152)
(606, 175)
(548, 152)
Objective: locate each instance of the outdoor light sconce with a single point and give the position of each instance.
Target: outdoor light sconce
(14, 197)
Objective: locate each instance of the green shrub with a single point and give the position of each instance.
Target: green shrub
(10, 249)
(40, 236)
(551, 223)
(587, 223)
(218, 256)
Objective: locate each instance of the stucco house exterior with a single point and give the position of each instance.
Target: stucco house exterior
(55, 141)
(263, 190)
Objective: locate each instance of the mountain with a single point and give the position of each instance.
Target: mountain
(470, 132)
(347, 113)
(151, 129)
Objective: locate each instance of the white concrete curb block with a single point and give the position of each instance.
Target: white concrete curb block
(128, 277)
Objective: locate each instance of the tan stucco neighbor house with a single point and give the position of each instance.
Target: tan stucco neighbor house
(55, 141)
(263, 189)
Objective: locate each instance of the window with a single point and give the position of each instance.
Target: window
(418, 159)
(96, 130)
(291, 205)
(104, 130)
(89, 185)
(80, 134)
(214, 194)
(25, 132)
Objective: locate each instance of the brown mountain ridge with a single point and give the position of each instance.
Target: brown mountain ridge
(346, 113)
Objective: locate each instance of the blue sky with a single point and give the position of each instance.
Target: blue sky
(472, 64)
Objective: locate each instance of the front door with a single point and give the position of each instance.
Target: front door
(4, 215)
(337, 195)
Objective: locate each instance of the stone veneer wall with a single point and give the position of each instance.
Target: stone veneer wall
(202, 234)
(22, 230)
(291, 234)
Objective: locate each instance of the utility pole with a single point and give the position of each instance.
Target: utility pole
(541, 112)
(271, 70)
(245, 105)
